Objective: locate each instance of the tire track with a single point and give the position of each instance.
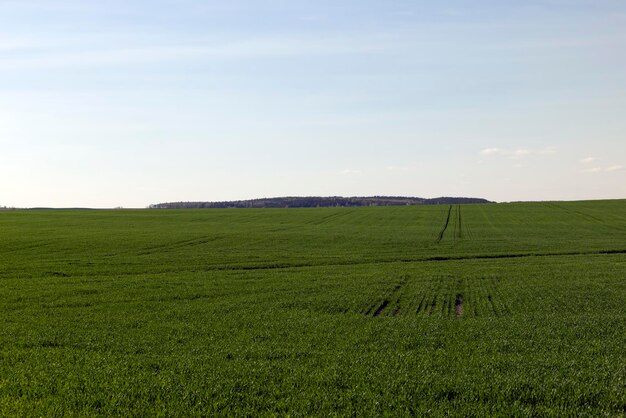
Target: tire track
(432, 305)
(591, 219)
(459, 222)
(381, 308)
(430, 259)
(329, 218)
(179, 244)
(421, 304)
(378, 308)
(469, 234)
(445, 226)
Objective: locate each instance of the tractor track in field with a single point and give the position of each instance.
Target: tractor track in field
(455, 215)
(575, 212)
(492, 305)
(179, 244)
(277, 266)
(329, 218)
(458, 232)
(379, 308)
(459, 222)
(433, 305)
(445, 225)
(582, 215)
(430, 304)
(421, 304)
(446, 298)
(400, 261)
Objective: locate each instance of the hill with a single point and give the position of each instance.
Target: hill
(317, 201)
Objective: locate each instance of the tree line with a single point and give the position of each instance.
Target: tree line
(317, 201)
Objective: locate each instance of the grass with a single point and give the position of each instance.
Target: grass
(507, 309)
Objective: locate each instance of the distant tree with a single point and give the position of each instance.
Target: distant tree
(316, 201)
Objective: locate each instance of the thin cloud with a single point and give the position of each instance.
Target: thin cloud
(560, 43)
(608, 169)
(241, 50)
(492, 151)
(15, 44)
(516, 153)
(547, 151)
(521, 152)
(587, 160)
(397, 168)
(350, 172)
(27, 47)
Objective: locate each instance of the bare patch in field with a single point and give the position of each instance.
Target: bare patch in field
(458, 306)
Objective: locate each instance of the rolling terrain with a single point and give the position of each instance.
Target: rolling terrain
(487, 309)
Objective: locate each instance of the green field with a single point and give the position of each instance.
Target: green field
(503, 309)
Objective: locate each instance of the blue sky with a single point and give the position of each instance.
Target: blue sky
(127, 103)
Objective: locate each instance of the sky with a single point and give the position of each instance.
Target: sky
(133, 102)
